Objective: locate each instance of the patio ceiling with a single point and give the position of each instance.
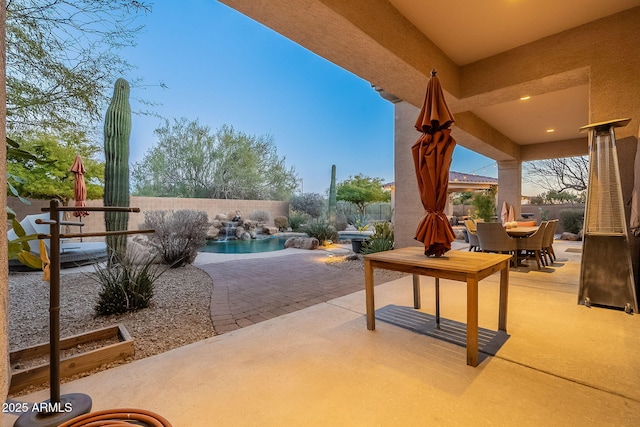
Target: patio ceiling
(488, 54)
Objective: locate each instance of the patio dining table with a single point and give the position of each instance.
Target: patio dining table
(521, 231)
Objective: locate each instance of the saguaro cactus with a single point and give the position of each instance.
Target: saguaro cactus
(117, 130)
(332, 196)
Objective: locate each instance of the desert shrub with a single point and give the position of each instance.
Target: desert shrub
(381, 240)
(310, 203)
(125, 286)
(572, 220)
(178, 234)
(341, 221)
(281, 222)
(260, 216)
(321, 229)
(297, 219)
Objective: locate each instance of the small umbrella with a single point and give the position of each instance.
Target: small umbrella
(79, 187)
(512, 214)
(504, 213)
(432, 154)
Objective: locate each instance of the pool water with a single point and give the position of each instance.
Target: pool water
(237, 246)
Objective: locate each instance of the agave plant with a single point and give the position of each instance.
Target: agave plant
(381, 240)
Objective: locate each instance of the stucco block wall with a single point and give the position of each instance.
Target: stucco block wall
(95, 221)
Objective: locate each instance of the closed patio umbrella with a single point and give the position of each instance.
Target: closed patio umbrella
(504, 213)
(79, 186)
(432, 154)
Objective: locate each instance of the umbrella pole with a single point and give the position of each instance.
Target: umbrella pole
(437, 303)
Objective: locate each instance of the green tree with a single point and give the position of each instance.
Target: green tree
(361, 191)
(61, 58)
(462, 197)
(52, 179)
(311, 204)
(189, 160)
(559, 175)
(484, 203)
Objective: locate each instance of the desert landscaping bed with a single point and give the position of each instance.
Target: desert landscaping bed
(179, 313)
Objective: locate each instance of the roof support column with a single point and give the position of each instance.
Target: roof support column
(509, 186)
(407, 208)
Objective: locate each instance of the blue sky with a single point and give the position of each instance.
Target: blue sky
(221, 67)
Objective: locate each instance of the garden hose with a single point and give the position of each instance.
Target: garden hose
(118, 418)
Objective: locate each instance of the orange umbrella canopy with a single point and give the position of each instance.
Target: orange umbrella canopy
(79, 187)
(432, 154)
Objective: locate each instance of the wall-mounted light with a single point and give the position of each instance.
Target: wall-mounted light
(525, 98)
(550, 130)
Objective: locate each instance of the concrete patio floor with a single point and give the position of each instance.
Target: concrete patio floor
(562, 365)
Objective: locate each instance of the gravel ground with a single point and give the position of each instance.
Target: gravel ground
(179, 313)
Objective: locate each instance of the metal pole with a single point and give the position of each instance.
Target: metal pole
(54, 303)
(437, 302)
(66, 407)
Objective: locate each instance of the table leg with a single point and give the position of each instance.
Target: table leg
(416, 291)
(472, 321)
(437, 302)
(368, 286)
(504, 295)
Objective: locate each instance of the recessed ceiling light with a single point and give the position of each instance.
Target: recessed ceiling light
(525, 98)
(550, 130)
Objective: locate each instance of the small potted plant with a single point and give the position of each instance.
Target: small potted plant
(361, 226)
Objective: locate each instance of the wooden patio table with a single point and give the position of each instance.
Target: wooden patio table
(463, 266)
(521, 231)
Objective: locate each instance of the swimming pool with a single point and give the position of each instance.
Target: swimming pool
(237, 246)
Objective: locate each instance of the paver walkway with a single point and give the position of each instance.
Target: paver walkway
(253, 290)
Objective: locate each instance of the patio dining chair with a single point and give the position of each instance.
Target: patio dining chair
(493, 238)
(474, 244)
(547, 241)
(532, 245)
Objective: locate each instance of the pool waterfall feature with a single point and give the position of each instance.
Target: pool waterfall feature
(229, 230)
(232, 234)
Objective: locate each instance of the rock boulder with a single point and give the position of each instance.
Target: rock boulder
(302, 243)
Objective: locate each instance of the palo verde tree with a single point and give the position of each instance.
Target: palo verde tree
(361, 191)
(50, 179)
(189, 160)
(61, 58)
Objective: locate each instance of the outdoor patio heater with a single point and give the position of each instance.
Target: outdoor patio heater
(606, 271)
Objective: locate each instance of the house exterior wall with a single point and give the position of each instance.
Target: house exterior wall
(408, 208)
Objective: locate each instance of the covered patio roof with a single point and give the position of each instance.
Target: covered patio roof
(511, 70)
